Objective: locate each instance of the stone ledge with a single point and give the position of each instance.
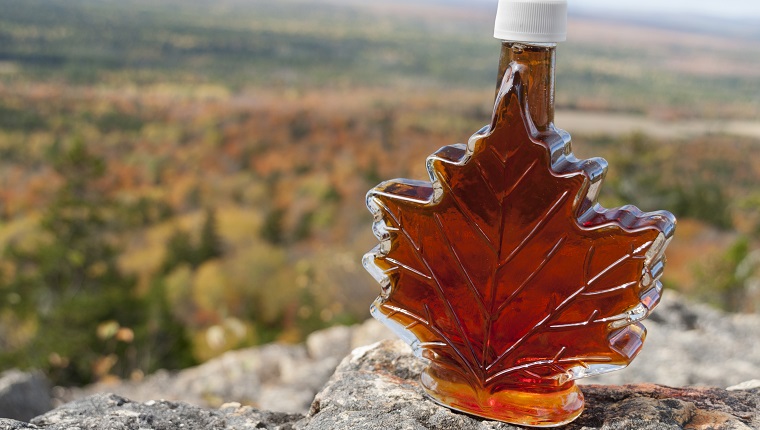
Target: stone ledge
(375, 388)
(109, 411)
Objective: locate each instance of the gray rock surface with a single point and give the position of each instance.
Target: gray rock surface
(376, 388)
(275, 377)
(691, 344)
(109, 411)
(23, 395)
(238, 374)
(329, 343)
(688, 344)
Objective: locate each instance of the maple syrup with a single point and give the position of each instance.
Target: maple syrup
(503, 272)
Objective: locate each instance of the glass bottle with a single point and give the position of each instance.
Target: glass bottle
(503, 272)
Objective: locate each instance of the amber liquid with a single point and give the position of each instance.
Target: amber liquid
(512, 280)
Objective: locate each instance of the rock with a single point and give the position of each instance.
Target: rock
(23, 395)
(369, 332)
(285, 399)
(299, 382)
(275, 377)
(688, 345)
(376, 388)
(109, 411)
(691, 344)
(328, 343)
(7, 424)
(239, 376)
(638, 406)
(748, 385)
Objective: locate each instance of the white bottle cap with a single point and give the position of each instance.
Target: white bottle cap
(539, 21)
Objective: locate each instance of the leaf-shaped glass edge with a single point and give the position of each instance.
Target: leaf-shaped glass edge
(562, 163)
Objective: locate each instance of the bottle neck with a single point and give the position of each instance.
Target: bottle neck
(539, 60)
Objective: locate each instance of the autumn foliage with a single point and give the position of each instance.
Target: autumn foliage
(175, 187)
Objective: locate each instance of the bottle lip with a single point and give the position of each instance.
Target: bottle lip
(541, 21)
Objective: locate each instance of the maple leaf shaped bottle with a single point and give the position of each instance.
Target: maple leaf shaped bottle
(503, 271)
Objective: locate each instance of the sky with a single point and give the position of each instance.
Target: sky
(719, 8)
(732, 9)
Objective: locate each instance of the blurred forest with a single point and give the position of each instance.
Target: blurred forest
(181, 178)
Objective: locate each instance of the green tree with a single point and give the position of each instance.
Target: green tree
(723, 282)
(180, 248)
(69, 280)
(638, 178)
(170, 344)
(303, 229)
(210, 244)
(272, 228)
(90, 320)
(704, 201)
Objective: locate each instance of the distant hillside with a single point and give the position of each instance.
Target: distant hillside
(606, 64)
